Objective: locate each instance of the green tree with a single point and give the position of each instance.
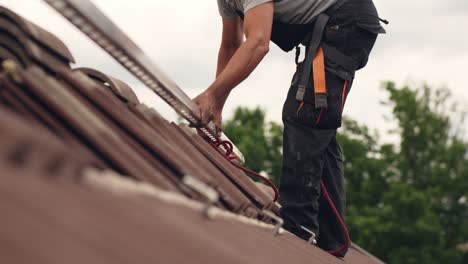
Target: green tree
(259, 141)
(407, 201)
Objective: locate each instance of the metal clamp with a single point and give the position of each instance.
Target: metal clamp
(279, 221)
(312, 238)
(206, 191)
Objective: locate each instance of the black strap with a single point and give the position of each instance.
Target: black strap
(240, 14)
(314, 44)
(298, 53)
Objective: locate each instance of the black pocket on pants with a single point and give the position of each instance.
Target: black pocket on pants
(306, 113)
(337, 90)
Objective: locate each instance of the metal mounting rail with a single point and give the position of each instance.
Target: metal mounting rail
(94, 24)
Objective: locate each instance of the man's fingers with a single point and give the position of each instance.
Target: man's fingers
(206, 116)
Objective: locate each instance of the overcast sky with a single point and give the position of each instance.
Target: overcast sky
(427, 41)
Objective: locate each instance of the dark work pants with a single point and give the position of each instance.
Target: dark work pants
(311, 155)
(310, 150)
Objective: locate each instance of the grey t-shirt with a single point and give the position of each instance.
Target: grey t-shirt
(286, 11)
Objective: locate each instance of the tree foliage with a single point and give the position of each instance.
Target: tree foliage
(260, 142)
(407, 201)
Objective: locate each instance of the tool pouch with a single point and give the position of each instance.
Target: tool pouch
(338, 82)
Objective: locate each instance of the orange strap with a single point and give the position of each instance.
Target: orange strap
(300, 107)
(318, 66)
(343, 94)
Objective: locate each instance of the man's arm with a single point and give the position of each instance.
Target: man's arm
(257, 26)
(232, 38)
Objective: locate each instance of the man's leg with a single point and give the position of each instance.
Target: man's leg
(304, 156)
(332, 235)
(311, 155)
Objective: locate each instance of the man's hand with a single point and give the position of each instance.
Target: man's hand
(210, 109)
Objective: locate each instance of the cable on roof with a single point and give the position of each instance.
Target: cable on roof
(230, 156)
(340, 220)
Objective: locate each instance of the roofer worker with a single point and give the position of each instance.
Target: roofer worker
(338, 36)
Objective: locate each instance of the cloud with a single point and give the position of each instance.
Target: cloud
(453, 7)
(435, 26)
